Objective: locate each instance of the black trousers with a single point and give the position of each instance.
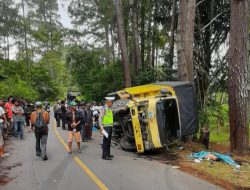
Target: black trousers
(41, 142)
(27, 119)
(107, 142)
(56, 115)
(63, 118)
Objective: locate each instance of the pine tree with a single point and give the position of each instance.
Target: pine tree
(238, 76)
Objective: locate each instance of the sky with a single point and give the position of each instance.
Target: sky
(63, 12)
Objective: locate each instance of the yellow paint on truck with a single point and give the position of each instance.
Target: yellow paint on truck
(136, 127)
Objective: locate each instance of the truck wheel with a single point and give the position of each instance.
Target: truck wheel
(120, 105)
(127, 146)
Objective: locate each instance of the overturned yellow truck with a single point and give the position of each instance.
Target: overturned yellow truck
(154, 116)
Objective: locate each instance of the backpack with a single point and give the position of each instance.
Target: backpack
(40, 125)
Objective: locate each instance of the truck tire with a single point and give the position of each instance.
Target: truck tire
(127, 146)
(120, 105)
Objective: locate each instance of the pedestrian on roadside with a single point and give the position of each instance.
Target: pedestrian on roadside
(18, 119)
(39, 122)
(83, 123)
(2, 122)
(29, 108)
(89, 122)
(96, 119)
(63, 111)
(73, 119)
(8, 109)
(57, 110)
(46, 104)
(106, 122)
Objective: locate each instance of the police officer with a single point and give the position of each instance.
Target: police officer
(106, 123)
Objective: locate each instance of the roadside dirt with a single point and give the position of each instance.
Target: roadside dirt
(4, 169)
(4, 179)
(218, 173)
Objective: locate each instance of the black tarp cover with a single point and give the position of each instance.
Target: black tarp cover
(185, 92)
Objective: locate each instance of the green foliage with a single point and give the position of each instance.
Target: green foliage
(215, 115)
(94, 78)
(145, 76)
(222, 137)
(149, 75)
(8, 18)
(18, 88)
(31, 83)
(44, 84)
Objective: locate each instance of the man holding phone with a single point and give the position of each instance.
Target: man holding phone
(73, 120)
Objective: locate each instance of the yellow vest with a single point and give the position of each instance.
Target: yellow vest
(108, 119)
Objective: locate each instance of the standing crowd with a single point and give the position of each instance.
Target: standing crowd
(81, 118)
(14, 115)
(86, 113)
(78, 118)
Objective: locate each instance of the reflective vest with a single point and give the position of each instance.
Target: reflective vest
(108, 119)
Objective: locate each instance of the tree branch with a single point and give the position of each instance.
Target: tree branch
(218, 15)
(200, 3)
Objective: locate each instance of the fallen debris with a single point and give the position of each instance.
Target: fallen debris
(197, 160)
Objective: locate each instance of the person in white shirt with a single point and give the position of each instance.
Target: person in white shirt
(2, 121)
(96, 119)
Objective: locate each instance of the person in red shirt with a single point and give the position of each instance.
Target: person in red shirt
(8, 109)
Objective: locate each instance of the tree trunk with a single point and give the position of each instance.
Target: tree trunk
(8, 48)
(153, 47)
(46, 44)
(248, 68)
(142, 33)
(154, 36)
(122, 43)
(156, 56)
(238, 76)
(186, 39)
(172, 35)
(181, 62)
(51, 31)
(112, 43)
(5, 47)
(107, 43)
(25, 35)
(136, 47)
(190, 39)
(149, 36)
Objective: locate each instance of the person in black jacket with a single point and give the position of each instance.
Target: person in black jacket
(57, 109)
(89, 123)
(29, 108)
(82, 110)
(74, 119)
(63, 114)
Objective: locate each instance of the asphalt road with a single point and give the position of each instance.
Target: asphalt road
(87, 171)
